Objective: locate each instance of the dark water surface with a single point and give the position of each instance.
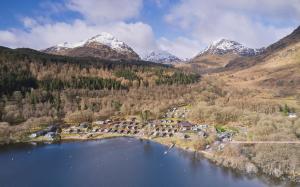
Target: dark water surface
(120, 162)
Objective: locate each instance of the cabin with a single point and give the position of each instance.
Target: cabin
(195, 128)
(84, 125)
(224, 135)
(202, 134)
(50, 135)
(185, 125)
(51, 128)
(186, 136)
(292, 115)
(99, 122)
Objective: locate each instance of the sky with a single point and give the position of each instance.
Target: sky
(181, 27)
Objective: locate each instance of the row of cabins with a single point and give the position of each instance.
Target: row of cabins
(161, 130)
(132, 127)
(181, 126)
(107, 126)
(50, 132)
(174, 112)
(161, 134)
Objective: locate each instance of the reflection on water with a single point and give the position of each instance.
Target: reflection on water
(113, 163)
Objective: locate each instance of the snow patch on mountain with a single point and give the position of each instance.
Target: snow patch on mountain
(163, 57)
(109, 40)
(102, 38)
(224, 46)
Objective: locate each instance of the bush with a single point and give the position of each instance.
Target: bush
(200, 144)
(297, 128)
(80, 116)
(297, 132)
(273, 128)
(127, 74)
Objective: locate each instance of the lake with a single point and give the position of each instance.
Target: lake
(119, 162)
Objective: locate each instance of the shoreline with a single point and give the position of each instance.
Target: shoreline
(218, 161)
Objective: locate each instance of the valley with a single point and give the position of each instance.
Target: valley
(205, 105)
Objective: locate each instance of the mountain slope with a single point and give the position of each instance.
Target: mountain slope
(219, 53)
(276, 68)
(162, 57)
(225, 46)
(269, 52)
(103, 46)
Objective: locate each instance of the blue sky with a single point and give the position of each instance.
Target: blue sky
(182, 27)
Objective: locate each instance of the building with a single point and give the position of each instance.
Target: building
(185, 125)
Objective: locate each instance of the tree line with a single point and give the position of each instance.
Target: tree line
(177, 78)
(90, 83)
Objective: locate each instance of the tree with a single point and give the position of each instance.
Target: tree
(144, 115)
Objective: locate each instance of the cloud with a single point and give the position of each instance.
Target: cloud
(161, 3)
(7, 37)
(255, 23)
(181, 46)
(106, 10)
(97, 16)
(138, 35)
(195, 23)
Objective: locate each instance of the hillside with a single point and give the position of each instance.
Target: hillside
(53, 87)
(103, 46)
(277, 68)
(251, 103)
(218, 55)
(269, 52)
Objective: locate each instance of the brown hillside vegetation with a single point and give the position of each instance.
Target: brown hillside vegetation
(252, 98)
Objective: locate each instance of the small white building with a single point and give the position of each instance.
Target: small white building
(292, 115)
(33, 135)
(99, 122)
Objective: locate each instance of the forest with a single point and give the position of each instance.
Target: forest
(38, 88)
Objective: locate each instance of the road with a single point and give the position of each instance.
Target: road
(264, 142)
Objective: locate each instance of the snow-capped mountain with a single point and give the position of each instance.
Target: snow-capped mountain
(162, 57)
(225, 46)
(103, 45)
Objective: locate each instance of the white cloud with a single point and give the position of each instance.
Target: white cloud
(181, 47)
(98, 16)
(99, 11)
(250, 22)
(137, 35)
(7, 37)
(254, 23)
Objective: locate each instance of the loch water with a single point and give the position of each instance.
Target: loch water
(118, 162)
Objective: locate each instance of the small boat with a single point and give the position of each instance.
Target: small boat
(166, 152)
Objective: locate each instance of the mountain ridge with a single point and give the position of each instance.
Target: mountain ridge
(225, 46)
(163, 57)
(103, 45)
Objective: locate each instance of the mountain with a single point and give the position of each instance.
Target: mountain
(224, 46)
(103, 46)
(219, 53)
(277, 67)
(267, 53)
(162, 57)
